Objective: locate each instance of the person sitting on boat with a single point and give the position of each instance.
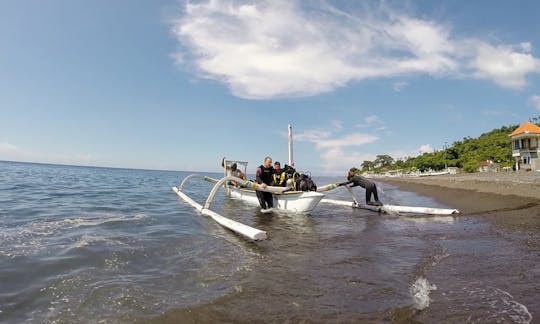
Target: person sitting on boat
(236, 173)
(279, 177)
(371, 188)
(233, 171)
(263, 176)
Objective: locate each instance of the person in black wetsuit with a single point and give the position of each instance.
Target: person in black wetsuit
(278, 178)
(371, 188)
(264, 177)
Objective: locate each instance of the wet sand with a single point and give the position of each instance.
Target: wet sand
(510, 202)
(523, 184)
(509, 199)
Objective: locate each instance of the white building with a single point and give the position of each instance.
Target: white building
(525, 146)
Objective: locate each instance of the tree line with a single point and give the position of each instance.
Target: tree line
(466, 154)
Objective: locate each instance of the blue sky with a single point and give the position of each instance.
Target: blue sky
(177, 85)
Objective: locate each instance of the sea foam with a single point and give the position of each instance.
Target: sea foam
(497, 306)
(420, 291)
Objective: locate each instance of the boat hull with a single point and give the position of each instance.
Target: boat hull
(294, 202)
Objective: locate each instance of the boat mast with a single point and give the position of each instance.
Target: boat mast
(291, 161)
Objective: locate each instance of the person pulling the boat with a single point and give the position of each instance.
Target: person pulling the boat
(371, 188)
(264, 177)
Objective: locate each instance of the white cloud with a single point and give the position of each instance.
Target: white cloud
(326, 138)
(7, 148)
(407, 153)
(371, 119)
(336, 125)
(355, 139)
(426, 148)
(535, 101)
(313, 135)
(398, 86)
(504, 64)
(492, 113)
(402, 154)
(337, 153)
(376, 123)
(331, 147)
(12, 152)
(280, 48)
(526, 46)
(336, 161)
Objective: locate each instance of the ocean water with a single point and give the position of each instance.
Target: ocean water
(93, 245)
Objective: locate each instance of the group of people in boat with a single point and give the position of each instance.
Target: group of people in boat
(273, 175)
(265, 175)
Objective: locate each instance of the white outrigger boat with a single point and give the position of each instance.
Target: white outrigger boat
(286, 199)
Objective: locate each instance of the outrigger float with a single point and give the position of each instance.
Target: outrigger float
(391, 209)
(286, 199)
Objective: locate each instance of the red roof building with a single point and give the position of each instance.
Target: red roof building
(525, 146)
(526, 128)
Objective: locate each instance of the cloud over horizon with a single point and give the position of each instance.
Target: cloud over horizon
(339, 152)
(270, 49)
(8, 151)
(11, 152)
(535, 101)
(331, 145)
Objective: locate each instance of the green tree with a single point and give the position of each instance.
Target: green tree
(383, 161)
(468, 153)
(471, 166)
(367, 166)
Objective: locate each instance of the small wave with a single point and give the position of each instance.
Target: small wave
(86, 240)
(498, 305)
(438, 254)
(437, 258)
(430, 219)
(100, 220)
(420, 291)
(33, 237)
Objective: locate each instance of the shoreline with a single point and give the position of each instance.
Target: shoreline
(523, 184)
(510, 205)
(509, 200)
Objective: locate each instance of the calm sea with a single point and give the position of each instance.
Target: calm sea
(85, 244)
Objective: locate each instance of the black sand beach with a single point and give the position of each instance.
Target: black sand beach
(510, 202)
(509, 199)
